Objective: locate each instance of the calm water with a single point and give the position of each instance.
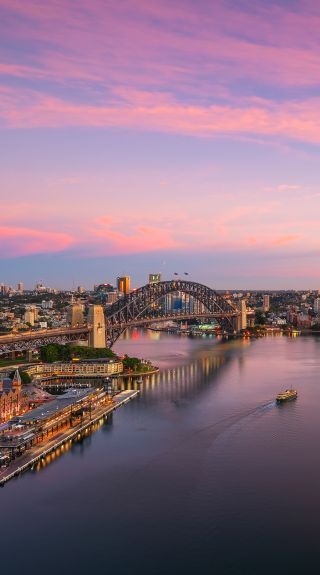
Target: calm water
(202, 473)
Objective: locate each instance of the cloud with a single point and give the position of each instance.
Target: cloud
(295, 121)
(287, 187)
(283, 240)
(20, 241)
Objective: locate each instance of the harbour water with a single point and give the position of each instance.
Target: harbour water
(202, 473)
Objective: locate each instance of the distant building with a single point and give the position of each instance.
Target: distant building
(4, 290)
(243, 317)
(20, 287)
(316, 305)
(80, 289)
(47, 304)
(154, 278)
(111, 297)
(123, 284)
(266, 302)
(97, 336)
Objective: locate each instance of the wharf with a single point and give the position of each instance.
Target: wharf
(35, 454)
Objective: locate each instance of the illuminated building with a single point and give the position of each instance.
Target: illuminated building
(123, 284)
(154, 278)
(97, 336)
(11, 402)
(98, 367)
(266, 302)
(243, 309)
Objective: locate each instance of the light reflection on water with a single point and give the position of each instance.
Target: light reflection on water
(202, 473)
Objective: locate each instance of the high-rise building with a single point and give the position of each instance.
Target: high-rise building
(20, 287)
(316, 305)
(154, 278)
(123, 284)
(80, 289)
(75, 315)
(243, 319)
(266, 302)
(97, 335)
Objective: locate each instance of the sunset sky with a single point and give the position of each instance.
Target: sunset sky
(146, 136)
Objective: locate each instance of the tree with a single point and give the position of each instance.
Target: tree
(260, 318)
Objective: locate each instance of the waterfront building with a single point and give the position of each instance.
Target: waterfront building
(266, 302)
(97, 336)
(44, 414)
(75, 315)
(11, 403)
(98, 367)
(123, 284)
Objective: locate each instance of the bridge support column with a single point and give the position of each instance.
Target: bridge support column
(29, 355)
(97, 336)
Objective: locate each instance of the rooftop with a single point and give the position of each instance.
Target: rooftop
(47, 410)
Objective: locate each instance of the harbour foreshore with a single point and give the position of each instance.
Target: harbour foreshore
(37, 453)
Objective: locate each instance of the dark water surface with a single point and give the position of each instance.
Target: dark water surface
(202, 473)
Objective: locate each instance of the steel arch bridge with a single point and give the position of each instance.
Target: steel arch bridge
(140, 307)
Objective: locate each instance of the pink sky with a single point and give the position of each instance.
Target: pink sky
(160, 127)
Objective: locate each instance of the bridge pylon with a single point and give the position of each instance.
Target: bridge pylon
(97, 334)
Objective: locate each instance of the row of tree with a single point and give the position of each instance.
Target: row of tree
(57, 352)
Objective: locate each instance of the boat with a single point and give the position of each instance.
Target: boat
(287, 395)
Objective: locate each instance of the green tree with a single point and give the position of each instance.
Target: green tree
(260, 318)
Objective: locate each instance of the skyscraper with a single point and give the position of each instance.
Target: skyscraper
(20, 287)
(266, 302)
(123, 284)
(243, 309)
(97, 336)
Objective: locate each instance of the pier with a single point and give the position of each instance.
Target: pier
(38, 453)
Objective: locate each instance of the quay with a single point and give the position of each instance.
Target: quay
(37, 454)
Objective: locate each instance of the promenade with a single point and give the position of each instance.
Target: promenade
(39, 452)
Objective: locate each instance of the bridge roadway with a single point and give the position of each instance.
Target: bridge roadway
(39, 452)
(32, 339)
(35, 339)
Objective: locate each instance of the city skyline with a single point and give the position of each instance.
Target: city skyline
(140, 138)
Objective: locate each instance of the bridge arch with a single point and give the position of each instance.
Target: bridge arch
(133, 309)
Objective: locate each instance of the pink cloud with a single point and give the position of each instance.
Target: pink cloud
(294, 120)
(283, 240)
(24, 241)
(134, 239)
